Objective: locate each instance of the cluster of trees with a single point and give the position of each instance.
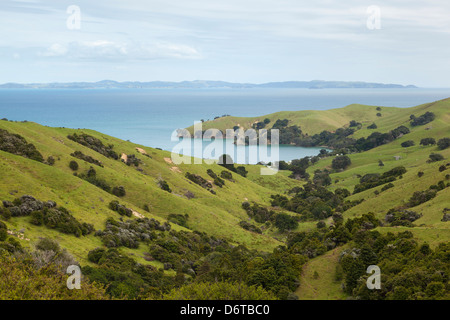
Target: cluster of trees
(341, 162)
(226, 162)
(260, 124)
(45, 213)
(217, 180)
(257, 212)
(130, 233)
(179, 219)
(409, 270)
(202, 182)
(80, 155)
(377, 139)
(250, 227)
(164, 185)
(119, 208)
(40, 274)
(16, 144)
(132, 160)
(401, 217)
(94, 144)
(372, 180)
(91, 177)
(423, 119)
(314, 202)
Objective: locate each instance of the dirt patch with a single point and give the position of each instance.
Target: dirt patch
(168, 160)
(142, 151)
(175, 169)
(124, 157)
(137, 214)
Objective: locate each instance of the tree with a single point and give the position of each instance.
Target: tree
(341, 162)
(443, 143)
(119, 191)
(427, 142)
(285, 222)
(435, 157)
(73, 165)
(407, 144)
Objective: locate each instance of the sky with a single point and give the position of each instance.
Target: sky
(255, 41)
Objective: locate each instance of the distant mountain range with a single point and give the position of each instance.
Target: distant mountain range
(199, 84)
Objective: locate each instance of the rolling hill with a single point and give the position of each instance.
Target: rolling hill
(217, 211)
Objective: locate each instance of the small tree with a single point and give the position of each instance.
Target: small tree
(427, 142)
(73, 165)
(341, 162)
(443, 143)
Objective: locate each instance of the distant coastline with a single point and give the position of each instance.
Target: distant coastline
(201, 84)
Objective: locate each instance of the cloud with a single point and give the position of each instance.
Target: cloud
(108, 50)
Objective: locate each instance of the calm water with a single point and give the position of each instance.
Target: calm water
(149, 116)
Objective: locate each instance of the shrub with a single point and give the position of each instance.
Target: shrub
(250, 227)
(341, 162)
(407, 144)
(420, 197)
(443, 143)
(434, 157)
(164, 185)
(16, 144)
(94, 144)
(50, 161)
(241, 171)
(73, 165)
(423, 119)
(427, 142)
(372, 126)
(119, 191)
(285, 222)
(80, 155)
(226, 175)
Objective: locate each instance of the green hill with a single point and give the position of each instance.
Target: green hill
(217, 211)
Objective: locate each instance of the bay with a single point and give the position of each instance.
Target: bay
(149, 116)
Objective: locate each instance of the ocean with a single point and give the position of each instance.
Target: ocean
(149, 116)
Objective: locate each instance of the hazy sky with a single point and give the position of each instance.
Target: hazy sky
(232, 40)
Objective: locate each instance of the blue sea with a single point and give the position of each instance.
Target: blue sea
(149, 116)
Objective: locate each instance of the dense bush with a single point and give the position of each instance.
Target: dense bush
(121, 209)
(179, 219)
(80, 155)
(258, 212)
(423, 119)
(410, 271)
(427, 142)
(217, 180)
(420, 197)
(408, 144)
(285, 222)
(372, 180)
(73, 165)
(197, 179)
(250, 227)
(372, 126)
(119, 191)
(443, 143)
(434, 157)
(341, 162)
(164, 185)
(48, 214)
(16, 144)
(94, 144)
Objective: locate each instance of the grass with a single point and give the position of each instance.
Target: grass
(220, 214)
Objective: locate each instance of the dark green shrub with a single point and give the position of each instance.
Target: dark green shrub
(341, 162)
(119, 191)
(73, 165)
(443, 143)
(407, 144)
(427, 142)
(164, 185)
(434, 157)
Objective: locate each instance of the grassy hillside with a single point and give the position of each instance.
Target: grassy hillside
(220, 212)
